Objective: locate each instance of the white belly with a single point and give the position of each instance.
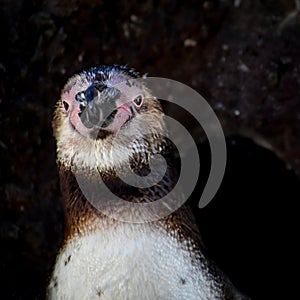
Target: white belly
(133, 261)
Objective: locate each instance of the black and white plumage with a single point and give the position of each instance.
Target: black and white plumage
(103, 258)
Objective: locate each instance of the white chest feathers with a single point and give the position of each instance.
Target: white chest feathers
(132, 261)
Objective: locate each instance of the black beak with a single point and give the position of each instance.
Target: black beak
(98, 106)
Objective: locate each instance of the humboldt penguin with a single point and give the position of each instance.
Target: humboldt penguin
(107, 256)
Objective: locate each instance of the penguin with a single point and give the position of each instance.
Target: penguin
(98, 125)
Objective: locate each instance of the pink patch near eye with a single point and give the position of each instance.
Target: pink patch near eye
(68, 101)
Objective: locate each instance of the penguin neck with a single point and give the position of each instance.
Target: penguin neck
(83, 217)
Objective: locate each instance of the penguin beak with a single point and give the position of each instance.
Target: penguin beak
(104, 110)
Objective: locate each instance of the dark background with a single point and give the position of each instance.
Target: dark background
(242, 56)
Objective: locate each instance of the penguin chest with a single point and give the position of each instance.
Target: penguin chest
(132, 261)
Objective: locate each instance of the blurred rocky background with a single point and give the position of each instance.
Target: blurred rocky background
(242, 56)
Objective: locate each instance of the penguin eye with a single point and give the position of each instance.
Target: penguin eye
(138, 101)
(66, 105)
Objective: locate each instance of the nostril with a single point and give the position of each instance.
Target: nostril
(66, 105)
(81, 107)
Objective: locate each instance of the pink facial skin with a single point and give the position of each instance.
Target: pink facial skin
(125, 111)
